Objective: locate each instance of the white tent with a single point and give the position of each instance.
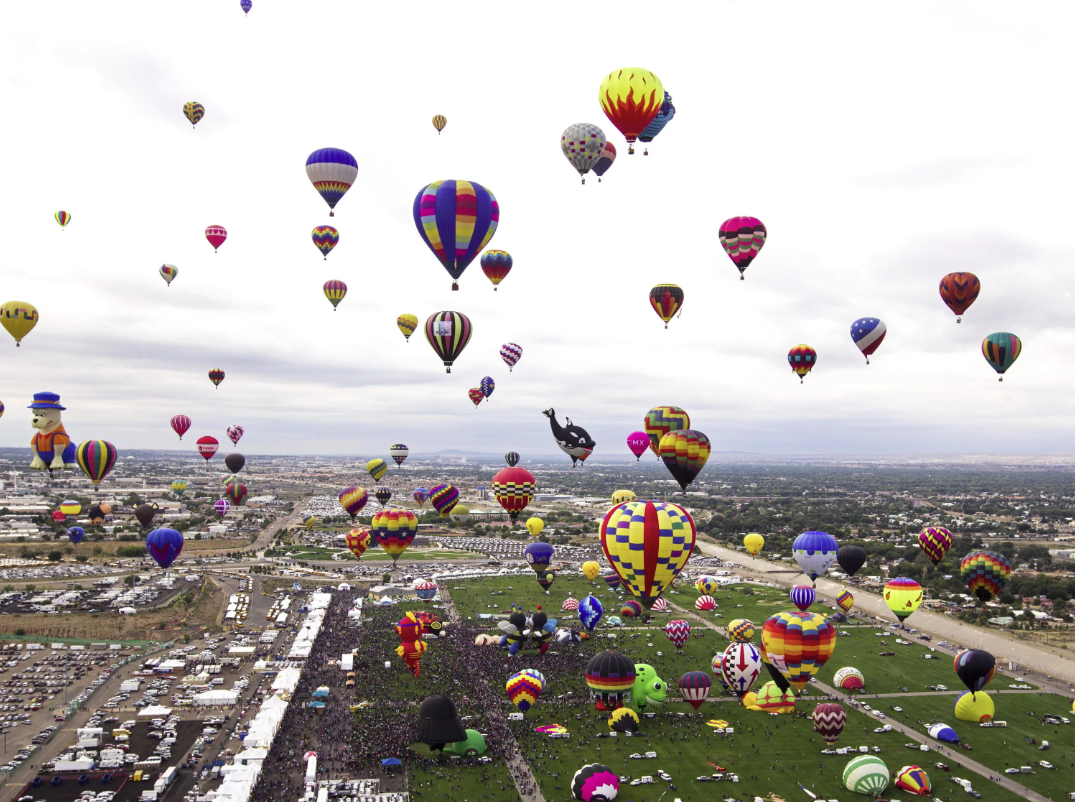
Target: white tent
(218, 696)
(154, 711)
(286, 680)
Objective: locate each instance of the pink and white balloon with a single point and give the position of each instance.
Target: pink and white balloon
(235, 433)
(222, 506)
(638, 442)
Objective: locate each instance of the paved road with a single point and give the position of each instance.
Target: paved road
(949, 755)
(942, 626)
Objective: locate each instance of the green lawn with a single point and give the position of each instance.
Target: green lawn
(455, 781)
(1001, 748)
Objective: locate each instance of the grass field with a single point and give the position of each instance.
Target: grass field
(460, 781)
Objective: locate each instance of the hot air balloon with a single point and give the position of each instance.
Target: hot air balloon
(666, 300)
(216, 376)
(742, 238)
(684, 453)
(395, 529)
(611, 677)
(335, 291)
(246, 5)
(679, 632)
(207, 446)
(180, 425)
(829, 720)
(590, 569)
(975, 668)
(145, 514)
(194, 112)
(235, 462)
(407, 324)
(496, 265)
(846, 601)
(571, 439)
(595, 783)
(96, 458)
(914, 780)
(902, 595)
(814, 552)
(797, 645)
(959, 291)
(985, 573)
(705, 603)
(164, 546)
(512, 458)
(439, 121)
(1000, 350)
(620, 496)
(851, 558)
(332, 172)
(544, 579)
(448, 333)
(657, 124)
(511, 354)
(310, 521)
(935, 542)
(168, 273)
(216, 236)
(942, 732)
(802, 596)
(438, 722)
(590, 610)
(63, 218)
(411, 645)
(514, 489)
(19, 318)
(523, 690)
(741, 665)
(867, 333)
(76, 533)
(608, 156)
(975, 707)
(456, 220)
(631, 98)
(706, 584)
(753, 543)
(398, 452)
(538, 555)
(444, 498)
(420, 496)
(236, 493)
(358, 540)
(740, 630)
(694, 687)
(487, 385)
(659, 421)
(848, 678)
(325, 239)
(235, 434)
(460, 513)
(638, 442)
(382, 494)
(624, 719)
(612, 579)
(647, 543)
(802, 359)
(179, 486)
(771, 698)
(377, 468)
(866, 774)
(222, 506)
(534, 526)
(476, 396)
(582, 144)
(631, 609)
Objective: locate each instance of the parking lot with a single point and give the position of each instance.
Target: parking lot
(119, 789)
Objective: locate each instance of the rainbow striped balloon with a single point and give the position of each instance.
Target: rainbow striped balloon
(395, 529)
(456, 220)
(96, 458)
(798, 645)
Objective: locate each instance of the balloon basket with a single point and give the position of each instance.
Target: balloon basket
(742, 277)
(331, 213)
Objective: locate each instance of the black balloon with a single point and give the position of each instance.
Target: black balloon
(539, 620)
(851, 558)
(144, 513)
(438, 722)
(517, 620)
(780, 680)
(96, 516)
(573, 440)
(235, 462)
(975, 668)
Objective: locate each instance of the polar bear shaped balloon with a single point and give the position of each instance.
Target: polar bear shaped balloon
(53, 449)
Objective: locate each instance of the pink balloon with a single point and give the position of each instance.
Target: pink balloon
(638, 442)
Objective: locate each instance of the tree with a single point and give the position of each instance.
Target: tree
(130, 580)
(55, 556)
(81, 558)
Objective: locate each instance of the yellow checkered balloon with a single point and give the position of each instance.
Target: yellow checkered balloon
(647, 543)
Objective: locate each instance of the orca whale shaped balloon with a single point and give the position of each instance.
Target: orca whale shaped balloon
(573, 440)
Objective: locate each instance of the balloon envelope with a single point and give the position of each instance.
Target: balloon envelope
(814, 552)
(647, 543)
(903, 596)
(164, 546)
(851, 558)
(235, 462)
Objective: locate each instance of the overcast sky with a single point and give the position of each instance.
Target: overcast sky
(882, 144)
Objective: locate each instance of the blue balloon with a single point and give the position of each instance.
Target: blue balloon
(246, 5)
(814, 552)
(76, 533)
(942, 732)
(657, 124)
(802, 596)
(487, 386)
(590, 610)
(539, 555)
(164, 546)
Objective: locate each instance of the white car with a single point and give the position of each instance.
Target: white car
(1045, 764)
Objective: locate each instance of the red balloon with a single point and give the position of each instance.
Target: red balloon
(208, 446)
(180, 425)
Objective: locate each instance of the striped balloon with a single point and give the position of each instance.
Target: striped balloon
(798, 645)
(802, 596)
(512, 458)
(180, 425)
(657, 124)
(444, 498)
(353, 499)
(829, 721)
(660, 606)
(694, 687)
(222, 506)
(63, 218)
(448, 334)
(456, 220)
(868, 333)
(659, 421)
(613, 580)
(913, 780)
(332, 171)
(325, 239)
(742, 239)
(514, 489)
(439, 121)
(193, 112)
(96, 458)
(684, 454)
(496, 265)
(866, 774)
(1000, 350)
(848, 678)
(678, 631)
(511, 354)
(335, 291)
(705, 603)
(570, 605)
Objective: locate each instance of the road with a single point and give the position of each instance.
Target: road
(996, 643)
(950, 756)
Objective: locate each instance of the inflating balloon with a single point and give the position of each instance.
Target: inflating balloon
(914, 780)
(523, 690)
(332, 172)
(848, 679)
(705, 603)
(866, 774)
(595, 783)
(975, 707)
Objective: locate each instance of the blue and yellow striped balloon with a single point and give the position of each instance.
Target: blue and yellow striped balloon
(647, 543)
(96, 458)
(377, 468)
